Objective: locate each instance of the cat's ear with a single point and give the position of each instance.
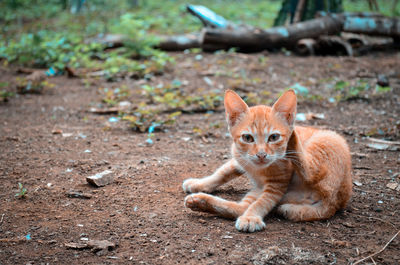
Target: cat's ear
(286, 106)
(235, 107)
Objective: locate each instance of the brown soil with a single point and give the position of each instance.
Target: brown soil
(142, 210)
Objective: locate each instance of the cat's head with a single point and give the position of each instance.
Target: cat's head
(260, 133)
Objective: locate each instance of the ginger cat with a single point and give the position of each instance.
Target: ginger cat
(303, 171)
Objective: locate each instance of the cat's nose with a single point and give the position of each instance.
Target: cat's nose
(261, 155)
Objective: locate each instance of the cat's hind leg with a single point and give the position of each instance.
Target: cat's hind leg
(203, 202)
(225, 173)
(306, 212)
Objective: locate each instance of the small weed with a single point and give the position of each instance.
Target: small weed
(25, 86)
(165, 103)
(113, 96)
(21, 191)
(347, 90)
(143, 118)
(263, 60)
(341, 85)
(356, 90)
(5, 95)
(382, 89)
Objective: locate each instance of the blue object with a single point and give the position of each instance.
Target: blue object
(299, 89)
(149, 141)
(28, 237)
(359, 23)
(301, 117)
(152, 127)
(176, 83)
(113, 119)
(51, 72)
(208, 16)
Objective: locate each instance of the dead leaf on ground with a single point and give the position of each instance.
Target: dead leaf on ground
(56, 131)
(309, 116)
(393, 186)
(338, 243)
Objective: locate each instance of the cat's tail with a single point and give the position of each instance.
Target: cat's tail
(306, 212)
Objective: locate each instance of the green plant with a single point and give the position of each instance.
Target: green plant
(382, 89)
(360, 87)
(347, 90)
(5, 95)
(49, 49)
(144, 117)
(113, 96)
(341, 85)
(21, 191)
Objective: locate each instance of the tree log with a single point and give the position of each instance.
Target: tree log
(252, 39)
(276, 37)
(180, 42)
(377, 26)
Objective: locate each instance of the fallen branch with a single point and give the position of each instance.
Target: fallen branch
(379, 144)
(248, 38)
(2, 217)
(378, 252)
(258, 39)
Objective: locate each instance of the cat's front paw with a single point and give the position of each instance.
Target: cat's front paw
(193, 185)
(249, 224)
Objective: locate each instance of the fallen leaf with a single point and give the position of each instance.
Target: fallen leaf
(393, 185)
(56, 131)
(319, 116)
(357, 183)
(339, 243)
(309, 116)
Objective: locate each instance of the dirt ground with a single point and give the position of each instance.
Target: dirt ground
(142, 211)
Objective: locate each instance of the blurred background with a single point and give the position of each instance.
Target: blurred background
(57, 33)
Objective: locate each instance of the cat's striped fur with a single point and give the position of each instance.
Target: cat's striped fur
(304, 171)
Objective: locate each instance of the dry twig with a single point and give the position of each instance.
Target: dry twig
(379, 219)
(376, 253)
(2, 217)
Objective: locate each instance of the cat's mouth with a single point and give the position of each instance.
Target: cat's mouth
(262, 162)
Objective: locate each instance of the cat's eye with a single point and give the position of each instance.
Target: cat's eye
(247, 138)
(274, 137)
